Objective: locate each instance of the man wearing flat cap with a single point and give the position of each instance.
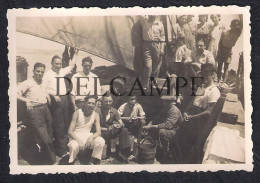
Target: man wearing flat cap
(166, 123)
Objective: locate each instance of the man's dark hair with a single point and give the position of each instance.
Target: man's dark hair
(201, 39)
(87, 59)
(208, 67)
(132, 96)
(235, 21)
(89, 97)
(55, 57)
(107, 94)
(38, 64)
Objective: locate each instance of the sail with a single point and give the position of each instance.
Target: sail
(110, 37)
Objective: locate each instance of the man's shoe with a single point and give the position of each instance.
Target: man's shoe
(122, 158)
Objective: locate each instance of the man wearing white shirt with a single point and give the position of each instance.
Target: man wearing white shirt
(33, 93)
(56, 88)
(84, 83)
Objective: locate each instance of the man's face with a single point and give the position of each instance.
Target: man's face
(132, 101)
(200, 47)
(89, 105)
(189, 18)
(235, 26)
(202, 19)
(107, 102)
(56, 64)
(38, 73)
(215, 19)
(183, 20)
(86, 67)
(151, 18)
(207, 76)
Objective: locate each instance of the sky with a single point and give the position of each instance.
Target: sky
(42, 50)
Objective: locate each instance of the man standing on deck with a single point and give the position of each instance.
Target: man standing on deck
(84, 83)
(56, 88)
(34, 94)
(153, 46)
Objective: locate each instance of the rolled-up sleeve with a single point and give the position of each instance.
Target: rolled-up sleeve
(121, 109)
(22, 88)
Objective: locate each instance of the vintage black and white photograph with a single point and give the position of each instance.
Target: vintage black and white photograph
(130, 89)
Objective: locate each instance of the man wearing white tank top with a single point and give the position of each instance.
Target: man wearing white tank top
(80, 135)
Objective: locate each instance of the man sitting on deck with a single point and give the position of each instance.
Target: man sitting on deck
(112, 127)
(79, 132)
(166, 123)
(197, 58)
(189, 140)
(133, 116)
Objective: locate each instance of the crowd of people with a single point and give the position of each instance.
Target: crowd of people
(94, 122)
(188, 43)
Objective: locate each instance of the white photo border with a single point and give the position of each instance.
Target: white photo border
(33, 169)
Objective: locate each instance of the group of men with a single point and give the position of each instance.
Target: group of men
(95, 122)
(212, 44)
(47, 100)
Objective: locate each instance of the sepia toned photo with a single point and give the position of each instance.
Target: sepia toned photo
(130, 89)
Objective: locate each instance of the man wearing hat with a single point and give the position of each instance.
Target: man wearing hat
(166, 123)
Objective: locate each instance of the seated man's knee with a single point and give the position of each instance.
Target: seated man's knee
(73, 145)
(162, 132)
(99, 141)
(143, 122)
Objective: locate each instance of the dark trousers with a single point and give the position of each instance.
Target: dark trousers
(135, 128)
(40, 123)
(59, 112)
(165, 137)
(122, 133)
(152, 60)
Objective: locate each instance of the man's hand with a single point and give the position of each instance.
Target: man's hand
(110, 127)
(187, 61)
(48, 99)
(81, 146)
(126, 118)
(197, 65)
(147, 128)
(186, 116)
(29, 105)
(134, 118)
(57, 98)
